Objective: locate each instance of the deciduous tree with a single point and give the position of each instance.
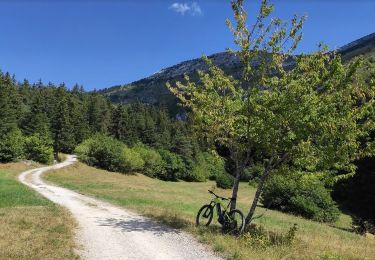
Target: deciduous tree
(306, 112)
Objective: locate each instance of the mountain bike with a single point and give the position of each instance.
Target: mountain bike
(232, 222)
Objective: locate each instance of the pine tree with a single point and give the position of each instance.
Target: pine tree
(164, 127)
(11, 140)
(98, 114)
(118, 123)
(36, 120)
(77, 115)
(8, 114)
(62, 130)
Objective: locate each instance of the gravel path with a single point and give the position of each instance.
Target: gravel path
(109, 232)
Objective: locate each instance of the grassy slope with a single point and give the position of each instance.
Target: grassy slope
(31, 227)
(177, 204)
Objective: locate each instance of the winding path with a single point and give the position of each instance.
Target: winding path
(110, 232)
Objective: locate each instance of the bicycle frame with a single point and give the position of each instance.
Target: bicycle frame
(217, 203)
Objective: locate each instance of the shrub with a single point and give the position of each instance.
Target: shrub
(11, 146)
(362, 226)
(200, 170)
(103, 152)
(174, 165)
(205, 165)
(300, 194)
(187, 173)
(39, 148)
(132, 160)
(224, 181)
(154, 164)
(357, 194)
(215, 165)
(252, 174)
(83, 150)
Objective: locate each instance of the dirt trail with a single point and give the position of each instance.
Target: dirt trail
(109, 232)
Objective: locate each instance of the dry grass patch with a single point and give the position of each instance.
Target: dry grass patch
(38, 232)
(176, 204)
(16, 167)
(31, 227)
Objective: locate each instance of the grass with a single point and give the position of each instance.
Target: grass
(176, 204)
(31, 227)
(61, 157)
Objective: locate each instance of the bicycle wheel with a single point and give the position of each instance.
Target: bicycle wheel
(204, 216)
(236, 222)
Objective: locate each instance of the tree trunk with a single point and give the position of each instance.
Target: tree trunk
(236, 185)
(257, 196)
(55, 153)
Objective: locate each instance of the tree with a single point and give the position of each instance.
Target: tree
(39, 148)
(98, 113)
(164, 126)
(11, 139)
(36, 120)
(8, 104)
(62, 130)
(307, 116)
(77, 115)
(118, 123)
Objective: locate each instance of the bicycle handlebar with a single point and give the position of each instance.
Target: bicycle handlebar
(217, 196)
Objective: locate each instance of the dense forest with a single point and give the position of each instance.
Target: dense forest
(67, 117)
(38, 121)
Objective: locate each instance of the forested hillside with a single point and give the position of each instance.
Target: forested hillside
(38, 121)
(47, 117)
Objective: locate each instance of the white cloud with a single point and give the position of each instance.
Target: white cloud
(182, 8)
(196, 9)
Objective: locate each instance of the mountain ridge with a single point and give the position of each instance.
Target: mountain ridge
(152, 89)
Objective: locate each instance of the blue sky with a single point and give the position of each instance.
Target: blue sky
(101, 43)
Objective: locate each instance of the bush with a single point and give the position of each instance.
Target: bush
(39, 148)
(186, 173)
(205, 165)
(215, 165)
(174, 165)
(357, 194)
(362, 226)
(224, 181)
(301, 195)
(103, 152)
(83, 150)
(154, 164)
(199, 172)
(11, 146)
(132, 160)
(252, 174)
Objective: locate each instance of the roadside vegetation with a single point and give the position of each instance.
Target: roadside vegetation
(110, 154)
(177, 203)
(39, 122)
(31, 227)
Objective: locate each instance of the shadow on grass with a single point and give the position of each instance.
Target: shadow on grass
(350, 230)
